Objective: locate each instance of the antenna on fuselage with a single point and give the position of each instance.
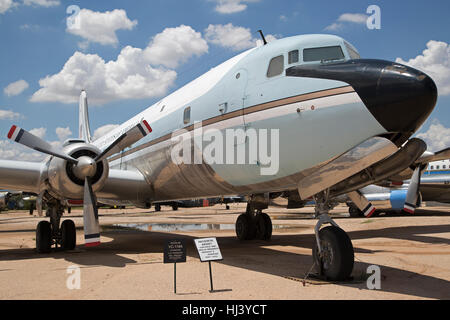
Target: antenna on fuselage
(262, 36)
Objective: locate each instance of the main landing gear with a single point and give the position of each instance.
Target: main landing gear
(51, 233)
(333, 253)
(253, 224)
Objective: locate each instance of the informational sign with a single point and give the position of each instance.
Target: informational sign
(174, 251)
(208, 249)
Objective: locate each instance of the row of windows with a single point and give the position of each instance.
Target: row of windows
(438, 167)
(276, 65)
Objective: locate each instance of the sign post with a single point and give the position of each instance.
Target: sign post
(174, 251)
(208, 250)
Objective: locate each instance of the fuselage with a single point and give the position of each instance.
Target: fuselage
(316, 119)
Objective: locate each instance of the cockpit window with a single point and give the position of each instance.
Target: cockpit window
(293, 56)
(323, 54)
(276, 66)
(352, 51)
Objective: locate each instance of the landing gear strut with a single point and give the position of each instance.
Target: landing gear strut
(50, 233)
(253, 224)
(333, 253)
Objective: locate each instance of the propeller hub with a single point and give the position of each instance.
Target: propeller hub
(86, 167)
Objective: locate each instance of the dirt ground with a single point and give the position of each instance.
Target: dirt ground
(413, 253)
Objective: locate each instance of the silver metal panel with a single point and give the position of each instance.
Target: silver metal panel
(350, 163)
(20, 175)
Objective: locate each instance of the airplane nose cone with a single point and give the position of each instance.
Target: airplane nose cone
(398, 96)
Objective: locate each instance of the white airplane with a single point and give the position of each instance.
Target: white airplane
(337, 123)
(433, 185)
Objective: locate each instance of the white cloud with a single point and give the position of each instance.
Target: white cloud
(174, 46)
(434, 61)
(101, 27)
(63, 133)
(42, 3)
(5, 5)
(15, 88)
(233, 37)
(103, 130)
(347, 18)
(9, 115)
(437, 137)
(13, 151)
(283, 18)
(130, 76)
(39, 132)
(359, 18)
(232, 6)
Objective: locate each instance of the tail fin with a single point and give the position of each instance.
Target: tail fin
(84, 131)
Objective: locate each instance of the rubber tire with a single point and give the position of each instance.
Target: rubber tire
(68, 235)
(43, 237)
(263, 225)
(227, 207)
(175, 207)
(157, 207)
(245, 229)
(343, 254)
(355, 212)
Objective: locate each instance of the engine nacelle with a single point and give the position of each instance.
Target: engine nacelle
(398, 198)
(64, 182)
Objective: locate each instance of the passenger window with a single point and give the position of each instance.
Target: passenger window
(293, 56)
(444, 167)
(432, 168)
(187, 115)
(323, 54)
(276, 66)
(437, 167)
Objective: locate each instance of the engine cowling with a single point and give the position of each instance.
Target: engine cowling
(65, 178)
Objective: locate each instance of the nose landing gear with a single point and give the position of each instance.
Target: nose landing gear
(333, 252)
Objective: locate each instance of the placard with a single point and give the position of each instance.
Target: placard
(208, 249)
(174, 251)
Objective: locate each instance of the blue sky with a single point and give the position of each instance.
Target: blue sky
(35, 43)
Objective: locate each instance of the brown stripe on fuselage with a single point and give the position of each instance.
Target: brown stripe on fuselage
(242, 112)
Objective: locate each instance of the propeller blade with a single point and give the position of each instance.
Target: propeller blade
(90, 216)
(83, 118)
(362, 203)
(28, 139)
(413, 191)
(131, 136)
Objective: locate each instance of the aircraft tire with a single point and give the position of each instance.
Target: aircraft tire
(355, 212)
(175, 207)
(43, 237)
(68, 235)
(338, 254)
(263, 225)
(245, 229)
(157, 207)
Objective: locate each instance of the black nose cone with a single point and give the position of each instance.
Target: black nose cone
(399, 97)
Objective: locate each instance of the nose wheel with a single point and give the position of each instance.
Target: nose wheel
(333, 253)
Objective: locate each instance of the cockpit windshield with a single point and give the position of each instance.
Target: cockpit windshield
(323, 54)
(352, 51)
